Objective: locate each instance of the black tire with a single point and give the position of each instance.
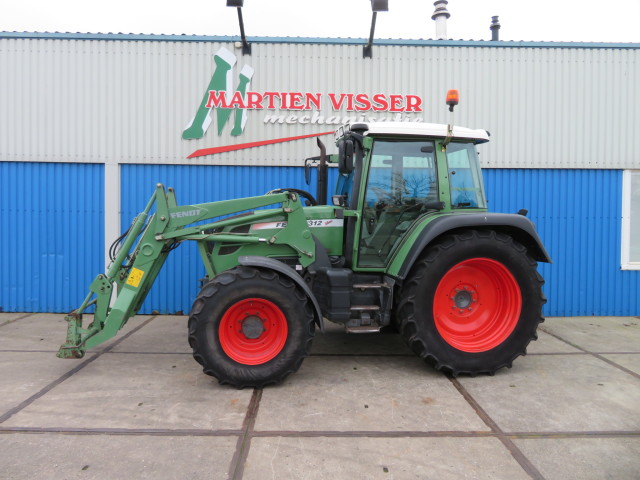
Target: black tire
(468, 272)
(250, 327)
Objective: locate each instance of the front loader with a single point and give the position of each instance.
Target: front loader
(406, 243)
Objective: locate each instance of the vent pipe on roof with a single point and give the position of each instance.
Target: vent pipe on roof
(440, 16)
(495, 29)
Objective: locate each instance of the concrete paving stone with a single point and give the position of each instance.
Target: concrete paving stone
(138, 391)
(380, 458)
(559, 393)
(23, 374)
(584, 458)
(47, 331)
(366, 393)
(335, 341)
(549, 344)
(630, 361)
(598, 334)
(107, 457)
(6, 317)
(165, 334)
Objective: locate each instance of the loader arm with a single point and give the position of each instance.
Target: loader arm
(119, 293)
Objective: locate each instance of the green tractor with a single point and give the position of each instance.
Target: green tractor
(406, 243)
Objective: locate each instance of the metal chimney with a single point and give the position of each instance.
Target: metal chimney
(495, 29)
(440, 16)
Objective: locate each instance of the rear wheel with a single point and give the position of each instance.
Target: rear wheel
(472, 303)
(250, 327)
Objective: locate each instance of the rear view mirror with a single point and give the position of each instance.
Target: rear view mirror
(308, 164)
(307, 173)
(345, 156)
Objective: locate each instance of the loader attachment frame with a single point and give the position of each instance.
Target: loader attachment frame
(119, 293)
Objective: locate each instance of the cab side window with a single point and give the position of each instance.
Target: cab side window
(465, 181)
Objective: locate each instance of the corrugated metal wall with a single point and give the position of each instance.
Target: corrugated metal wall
(125, 101)
(71, 104)
(51, 223)
(578, 214)
(51, 234)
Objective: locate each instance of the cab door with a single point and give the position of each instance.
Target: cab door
(401, 185)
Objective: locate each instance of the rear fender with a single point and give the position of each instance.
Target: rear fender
(272, 264)
(517, 226)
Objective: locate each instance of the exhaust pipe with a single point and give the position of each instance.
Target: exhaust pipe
(495, 29)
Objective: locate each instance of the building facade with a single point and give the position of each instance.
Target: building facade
(90, 123)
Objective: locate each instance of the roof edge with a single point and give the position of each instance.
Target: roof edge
(303, 40)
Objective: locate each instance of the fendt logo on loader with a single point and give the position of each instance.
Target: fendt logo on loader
(220, 84)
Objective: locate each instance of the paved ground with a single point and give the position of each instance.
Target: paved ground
(361, 406)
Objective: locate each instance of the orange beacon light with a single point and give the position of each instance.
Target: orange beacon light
(452, 99)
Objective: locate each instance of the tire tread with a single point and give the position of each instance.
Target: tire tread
(240, 376)
(409, 324)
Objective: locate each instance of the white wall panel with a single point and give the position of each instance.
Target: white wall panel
(119, 99)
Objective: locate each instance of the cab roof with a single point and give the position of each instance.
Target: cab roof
(419, 129)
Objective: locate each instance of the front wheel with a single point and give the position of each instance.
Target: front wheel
(472, 303)
(250, 327)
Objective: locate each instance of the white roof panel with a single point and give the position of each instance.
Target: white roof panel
(421, 129)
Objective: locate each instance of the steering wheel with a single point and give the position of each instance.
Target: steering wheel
(303, 193)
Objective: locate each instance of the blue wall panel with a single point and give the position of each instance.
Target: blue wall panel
(51, 234)
(578, 215)
(51, 229)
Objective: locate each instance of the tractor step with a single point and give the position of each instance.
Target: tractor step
(366, 286)
(365, 308)
(363, 329)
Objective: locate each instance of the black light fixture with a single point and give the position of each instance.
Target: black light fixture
(376, 6)
(380, 5)
(246, 46)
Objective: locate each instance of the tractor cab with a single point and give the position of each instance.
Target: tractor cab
(394, 174)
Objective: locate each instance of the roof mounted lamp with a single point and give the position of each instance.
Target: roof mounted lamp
(246, 46)
(376, 6)
(453, 97)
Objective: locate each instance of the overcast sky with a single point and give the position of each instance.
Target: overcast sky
(539, 20)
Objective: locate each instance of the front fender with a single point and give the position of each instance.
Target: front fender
(518, 226)
(278, 266)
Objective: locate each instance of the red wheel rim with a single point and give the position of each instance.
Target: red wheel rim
(477, 305)
(253, 331)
